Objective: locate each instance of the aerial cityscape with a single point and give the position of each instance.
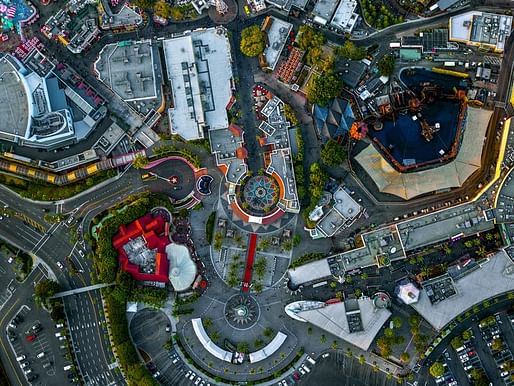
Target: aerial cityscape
(257, 192)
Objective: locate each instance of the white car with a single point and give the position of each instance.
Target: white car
(10, 260)
(198, 380)
(59, 264)
(81, 253)
(192, 376)
(302, 371)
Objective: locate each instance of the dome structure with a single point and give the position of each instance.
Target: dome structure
(182, 269)
(407, 292)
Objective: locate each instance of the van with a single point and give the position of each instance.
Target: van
(20, 358)
(306, 368)
(67, 368)
(460, 348)
(311, 360)
(40, 355)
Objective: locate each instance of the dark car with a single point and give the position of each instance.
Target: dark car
(18, 319)
(32, 377)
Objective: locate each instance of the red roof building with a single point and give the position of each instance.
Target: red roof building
(141, 247)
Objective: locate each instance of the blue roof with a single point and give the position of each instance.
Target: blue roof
(334, 120)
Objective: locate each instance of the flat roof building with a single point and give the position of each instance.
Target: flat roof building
(356, 321)
(199, 67)
(132, 71)
(476, 28)
(493, 277)
(345, 210)
(323, 11)
(277, 31)
(345, 16)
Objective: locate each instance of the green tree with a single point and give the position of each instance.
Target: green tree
(144, 4)
(242, 347)
(350, 51)
(479, 377)
(386, 65)
(268, 332)
(404, 357)
(497, 345)
(397, 322)
(323, 88)
(140, 161)
(252, 41)
(388, 332)
(362, 359)
(436, 370)
(332, 153)
(308, 38)
(457, 342)
(322, 338)
(466, 335)
(334, 345)
(44, 289)
(162, 9)
(177, 13)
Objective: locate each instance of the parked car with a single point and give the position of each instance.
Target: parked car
(30, 338)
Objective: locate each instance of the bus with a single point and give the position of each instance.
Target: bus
(148, 177)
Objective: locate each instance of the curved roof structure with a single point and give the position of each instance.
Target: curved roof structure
(15, 102)
(182, 271)
(450, 175)
(407, 292)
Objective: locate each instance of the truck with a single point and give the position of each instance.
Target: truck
(395, 45)
(449, 64)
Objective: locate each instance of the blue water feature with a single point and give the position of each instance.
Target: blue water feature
(402, 136)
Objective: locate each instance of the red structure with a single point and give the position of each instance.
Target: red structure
(252, 244)
(153, 231)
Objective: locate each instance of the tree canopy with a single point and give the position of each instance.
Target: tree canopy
(252, 41)
(139, 161)
(163, 9)
(332, 153)
(386, 65)
(437, 369)
(350, 51)
(45, 289)
(323, 88)
(309, 38)
(144, 4)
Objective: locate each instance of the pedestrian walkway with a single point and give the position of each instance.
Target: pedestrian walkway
(252, 244)
(80, 290)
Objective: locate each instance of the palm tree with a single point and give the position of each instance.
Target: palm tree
(207, 322)
(322, 338)
(362, 359)
(333, 346)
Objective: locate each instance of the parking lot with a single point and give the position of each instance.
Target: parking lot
(39, 353)
(148, 330)
(341, 370)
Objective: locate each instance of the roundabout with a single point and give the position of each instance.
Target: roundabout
(242, 311)
(173, 176)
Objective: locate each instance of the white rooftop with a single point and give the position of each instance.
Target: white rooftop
(182, 269)
(345, 17)
(200, 71)
(493, 278)
(277, 32)
(333, 319)
(309, 272)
